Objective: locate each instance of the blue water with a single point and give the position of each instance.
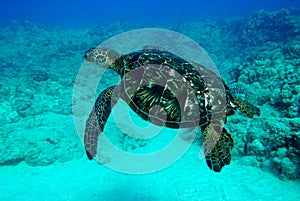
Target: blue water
(47, 91)
(82, 13)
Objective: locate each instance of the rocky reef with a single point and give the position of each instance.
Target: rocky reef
(268, 72)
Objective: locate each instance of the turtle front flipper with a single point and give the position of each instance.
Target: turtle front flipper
(217, 146)
(97, 119)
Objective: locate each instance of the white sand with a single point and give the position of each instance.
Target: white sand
(187, 179)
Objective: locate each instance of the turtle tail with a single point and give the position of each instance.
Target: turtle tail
(217, 146)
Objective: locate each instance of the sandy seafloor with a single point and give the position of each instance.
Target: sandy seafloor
(187, 179)
(42, 157)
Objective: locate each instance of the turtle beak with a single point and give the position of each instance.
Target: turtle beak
(88, 53)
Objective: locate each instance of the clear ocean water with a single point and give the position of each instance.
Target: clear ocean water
(48, 89)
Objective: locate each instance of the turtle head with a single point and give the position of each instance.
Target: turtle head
(103, 57)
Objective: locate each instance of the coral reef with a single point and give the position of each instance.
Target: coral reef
(267, 141)
(270, 69)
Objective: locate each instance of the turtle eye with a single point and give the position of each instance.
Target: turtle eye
(88, 52)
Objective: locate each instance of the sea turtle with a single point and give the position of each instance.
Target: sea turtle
(184, 94)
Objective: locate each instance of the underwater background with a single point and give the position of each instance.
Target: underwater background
(255, 46)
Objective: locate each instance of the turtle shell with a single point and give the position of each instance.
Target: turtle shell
(167, 90)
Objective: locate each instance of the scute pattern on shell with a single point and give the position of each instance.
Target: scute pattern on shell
(155, 77)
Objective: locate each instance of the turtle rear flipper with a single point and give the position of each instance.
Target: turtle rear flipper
(97, 119)
(247, 108)
(217, 146)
